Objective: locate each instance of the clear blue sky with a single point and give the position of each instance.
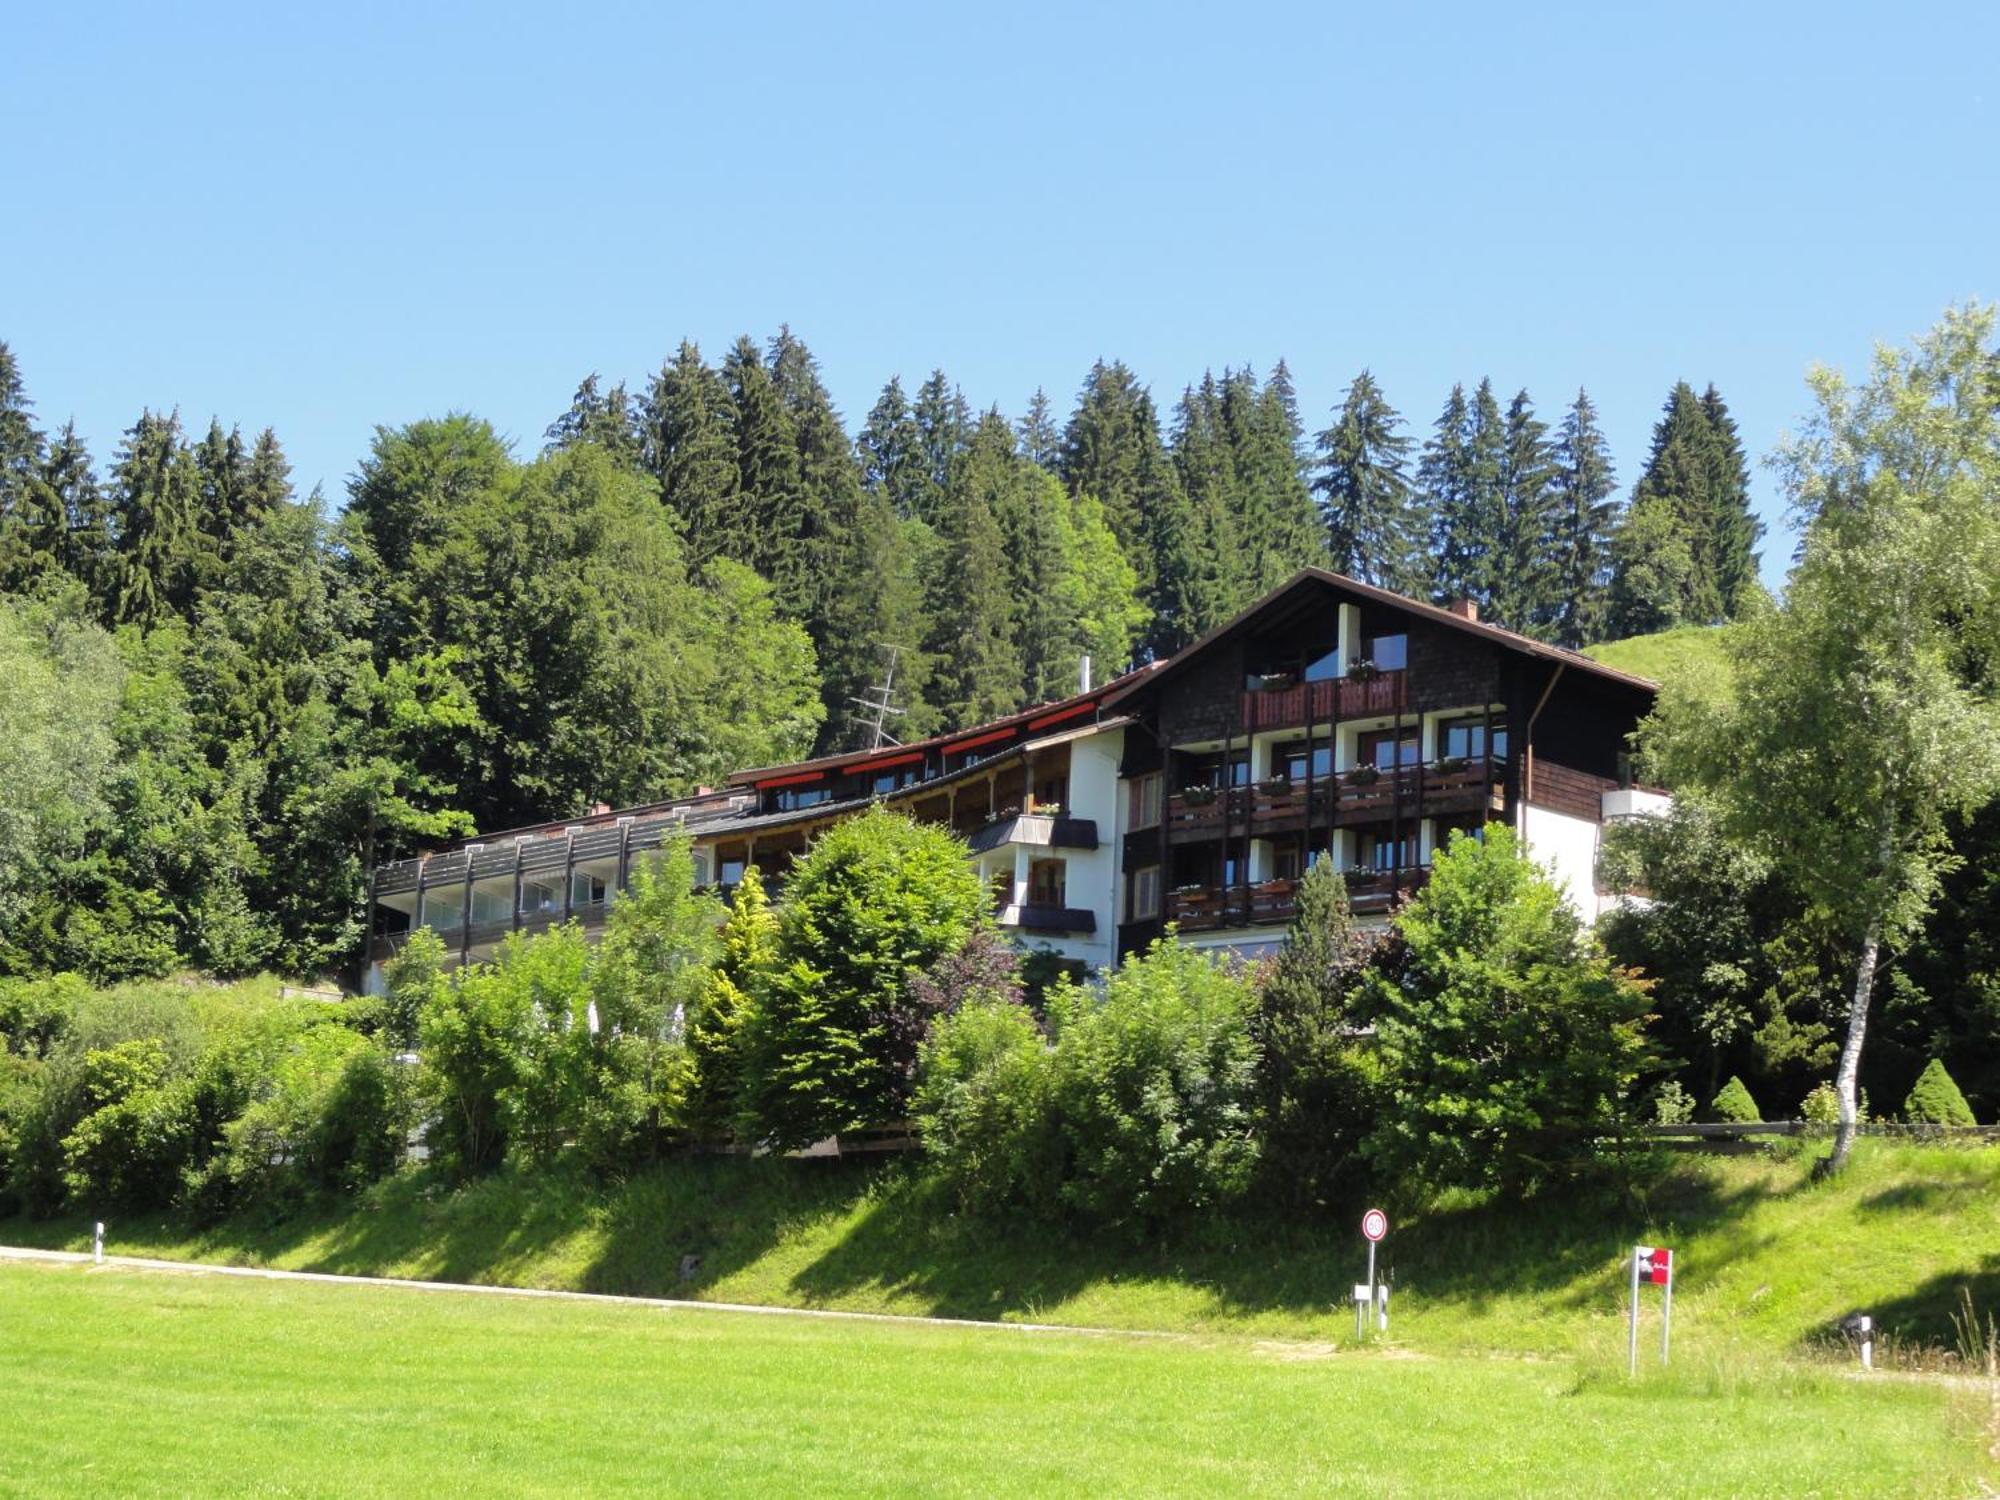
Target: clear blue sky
(322, 219)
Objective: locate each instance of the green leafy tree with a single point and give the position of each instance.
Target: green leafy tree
(876, 900)
(1507, 1041)
(715, 1033)
(1850, 738)
(983, 1106)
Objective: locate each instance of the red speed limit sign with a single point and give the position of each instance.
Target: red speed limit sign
(1374, 1225)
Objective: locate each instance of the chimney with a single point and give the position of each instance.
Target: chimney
(1083, 674)
(1465, 609)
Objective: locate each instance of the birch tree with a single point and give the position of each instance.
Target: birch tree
(1863, 715)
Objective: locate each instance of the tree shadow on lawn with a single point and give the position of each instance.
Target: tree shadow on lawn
(1924, 1314)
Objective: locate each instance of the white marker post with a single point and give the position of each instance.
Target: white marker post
(1653, 1264)
(97, 1244)
(1867, 1342)
(1374, 1225)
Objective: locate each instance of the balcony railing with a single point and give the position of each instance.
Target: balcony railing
(1359, 796)
(1323, 702)
(1273, 903)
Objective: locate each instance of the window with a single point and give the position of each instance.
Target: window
(1384, 749)
(1210, 770)
(588, 890)
(1052, 791)
(732, 872)
(1145, 803)
(1288, 860)
(1324, 666)
(888, 781)
(1446, 827)
(1048, 882)
(1390, 653)
(1291, 761)
(1465, 739)
(1381, 853)
(1144, 902)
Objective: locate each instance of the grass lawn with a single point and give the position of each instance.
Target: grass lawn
(118, 1382)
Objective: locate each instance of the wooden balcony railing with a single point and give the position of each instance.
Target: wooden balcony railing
(1323, 702)
(1272, 903)
(1440, 788)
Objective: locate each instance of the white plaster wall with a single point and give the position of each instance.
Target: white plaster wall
(1567, 848)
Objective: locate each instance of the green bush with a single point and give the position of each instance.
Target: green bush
(1508, 1041)
(1672, 1104)
(983, 1106)
(1733, 1105)
(1155, 1088)
(1935, 1099)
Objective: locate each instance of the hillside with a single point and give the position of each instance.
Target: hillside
(1769, 1260)
(1669, 656)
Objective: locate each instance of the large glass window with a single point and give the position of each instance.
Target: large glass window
(1324, 666)
(1291, 760)
(1379, 852)
(1385, 749)
(1048, 883)
(1145, 900)
(1466, 739)
(1390, 653)
(1145, 805)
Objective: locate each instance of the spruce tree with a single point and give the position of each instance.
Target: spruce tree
(943, 424)
(1041, 439)
(1523, 583)
(1585, 512)
(891, 463)
(1734, 527)
(155, 494)
(21, 453)
(1674, 507)
(1444, 478)
(1277, 530)
(1109, 450)
(609, 419)
(1374, 529)
(1203, 578)
(767, 467)
(78, 514)
(974, 631)
(687, 443)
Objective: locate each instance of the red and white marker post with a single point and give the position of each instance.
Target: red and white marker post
(1652, 1265)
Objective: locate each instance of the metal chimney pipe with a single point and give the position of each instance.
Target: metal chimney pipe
(1084, 674)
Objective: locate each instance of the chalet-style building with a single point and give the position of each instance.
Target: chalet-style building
(1330, 719)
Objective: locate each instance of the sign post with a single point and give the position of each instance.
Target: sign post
(1653, 1265)
(1374, 1225)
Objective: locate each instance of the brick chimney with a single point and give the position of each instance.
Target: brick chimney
(1465, 609)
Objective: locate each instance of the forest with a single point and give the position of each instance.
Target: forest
(227, 699)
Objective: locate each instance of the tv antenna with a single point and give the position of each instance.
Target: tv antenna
(877, 705)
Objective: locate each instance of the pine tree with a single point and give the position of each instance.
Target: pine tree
(1444, 478)
(1585, 513)
(606, 418)
(767, 467)
(943, 424)
(974, 634)
(21, 495)
(888, 445)
(1375, 531)
(1674, 506)
(1523, 581)
(155, 492)
(1204, 579)
(1109, 450)
(1272, 464)
(221, 463)
(1734, 527)
(80, 513)
(687, 443)
(1041, 440)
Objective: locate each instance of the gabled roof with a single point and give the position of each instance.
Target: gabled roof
(1290, 593)
(1041, 715)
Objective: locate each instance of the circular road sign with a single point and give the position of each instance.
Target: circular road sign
(1374, 1224)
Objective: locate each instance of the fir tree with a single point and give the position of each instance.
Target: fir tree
(1374, 530)
(606, 418)
(23, 500)
(1673, 503)
(1734, 527)
(1041, 440)
(1584, 516)
(890, 461)
(78, 515)
(155, 492)
(1523, 581)
(1110, 450)
(767, 466)
(1445, 480)
(973, 642)
(943, 425)
(687, 443)
(1203, 578)
(1273, 464)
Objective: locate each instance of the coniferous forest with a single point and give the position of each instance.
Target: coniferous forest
(227, 699)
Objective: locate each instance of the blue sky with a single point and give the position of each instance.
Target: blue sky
(323, 219)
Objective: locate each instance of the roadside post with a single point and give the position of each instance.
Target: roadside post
(97, 1243)
(1367, 1298)
(1651, 1265)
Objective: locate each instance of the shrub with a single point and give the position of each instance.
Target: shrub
(1672, 1104)
(1155, 1089)
(982, 1105)
(1733, 1105)
(1508, 1041)
(1935, 1099)
(1315, 1080)
(828, 1048)
(715, 1032)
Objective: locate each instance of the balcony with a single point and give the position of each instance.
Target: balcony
(1036, 830)
(1272, 903)
(1438, 789)
(1031, 916)
(1323, 702)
